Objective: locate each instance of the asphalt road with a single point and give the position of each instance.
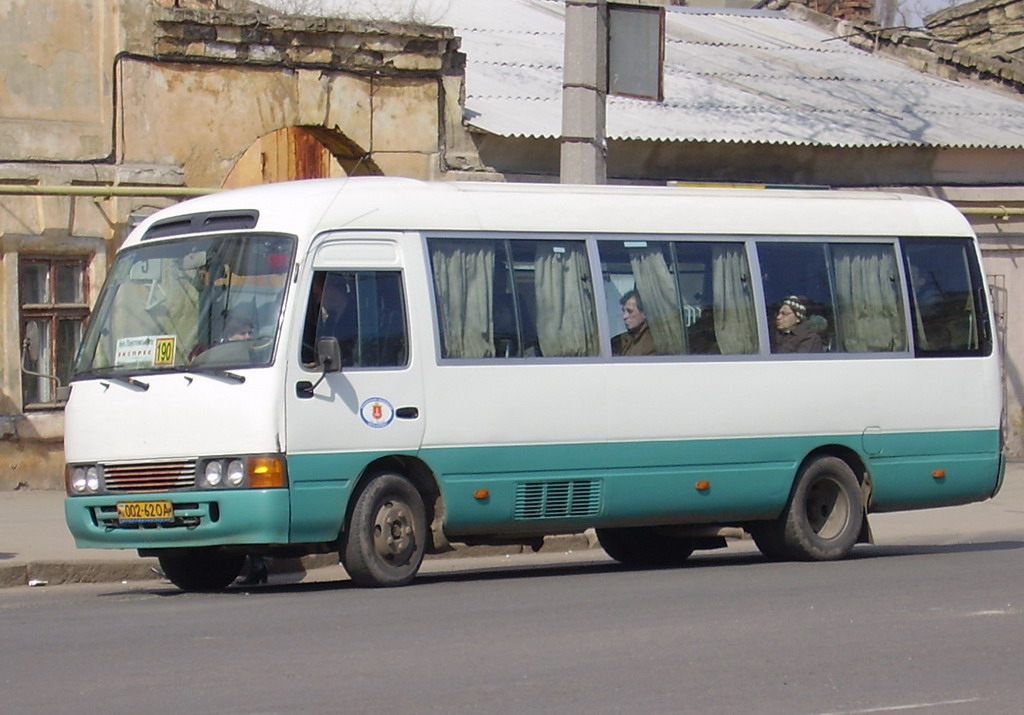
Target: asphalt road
(909, 629)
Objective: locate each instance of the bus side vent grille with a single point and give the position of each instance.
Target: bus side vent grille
(149, 476)
(554, 500)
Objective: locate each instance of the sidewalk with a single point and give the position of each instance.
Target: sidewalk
(36, 547)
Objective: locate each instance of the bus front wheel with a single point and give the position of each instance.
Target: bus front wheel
(202, 569)
(386, 535)
(644, 546)
(823, 519)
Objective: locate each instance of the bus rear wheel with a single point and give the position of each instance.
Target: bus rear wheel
(202, 569)
(823, 519)
(644, 546)
(386, 535)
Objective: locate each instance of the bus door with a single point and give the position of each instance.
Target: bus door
(373, 407)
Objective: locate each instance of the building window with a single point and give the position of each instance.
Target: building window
(52, 295)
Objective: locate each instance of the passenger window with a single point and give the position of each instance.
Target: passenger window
(947, 295)
(513, 298)
(364, 311)
(798, 295)
(833, 297)
(678, 298)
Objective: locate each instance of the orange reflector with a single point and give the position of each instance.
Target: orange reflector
(703, 485)
(267, 473)
(482, 494)
(939, 473)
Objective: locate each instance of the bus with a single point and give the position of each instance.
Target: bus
(382, 368)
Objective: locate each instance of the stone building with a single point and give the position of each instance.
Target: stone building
(111, 109)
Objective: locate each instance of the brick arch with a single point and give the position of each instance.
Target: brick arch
(300, 152)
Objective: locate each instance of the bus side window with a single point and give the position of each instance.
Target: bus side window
(692, 297)
(506, 298)
(850, 294)
(364, 311)
(797, 282)
(946, 290)
(717, 297)
(643, 304)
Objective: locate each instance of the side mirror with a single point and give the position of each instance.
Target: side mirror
(328, 355)
(328, 359)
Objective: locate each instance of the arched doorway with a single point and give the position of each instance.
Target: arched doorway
(300, 153)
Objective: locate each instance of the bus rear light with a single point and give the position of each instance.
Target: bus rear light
(267, 473)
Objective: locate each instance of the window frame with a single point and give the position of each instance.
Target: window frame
(52, 312)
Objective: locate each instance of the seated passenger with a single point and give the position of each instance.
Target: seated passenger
(792, 332)
(637, 340)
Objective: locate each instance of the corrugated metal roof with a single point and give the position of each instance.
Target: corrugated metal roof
(730, 76)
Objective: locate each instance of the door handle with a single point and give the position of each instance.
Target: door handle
(407, 413)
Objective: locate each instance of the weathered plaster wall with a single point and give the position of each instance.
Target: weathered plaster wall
(224, 109)
(55, 86)
(170, 93)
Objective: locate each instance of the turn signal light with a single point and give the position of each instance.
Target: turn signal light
(703, 485)
(267, 473)
(481, 494)
(939, 473)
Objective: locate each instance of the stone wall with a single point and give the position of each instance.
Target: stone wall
(994, 28)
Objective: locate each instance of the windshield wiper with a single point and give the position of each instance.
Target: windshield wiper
(123, 379)
(216, 372)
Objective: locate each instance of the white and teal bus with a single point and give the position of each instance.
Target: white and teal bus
(381, 368)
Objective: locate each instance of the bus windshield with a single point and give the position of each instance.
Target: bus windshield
(203, 302)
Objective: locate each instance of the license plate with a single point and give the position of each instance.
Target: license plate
(145, 512)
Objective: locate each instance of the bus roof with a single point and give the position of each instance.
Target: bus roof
(310, 207)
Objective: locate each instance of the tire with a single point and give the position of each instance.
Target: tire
(386, 537)
(823, 519)
(768, 538)
(644, 546)
(202, 569)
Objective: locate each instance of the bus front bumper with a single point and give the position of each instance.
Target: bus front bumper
(208, 518)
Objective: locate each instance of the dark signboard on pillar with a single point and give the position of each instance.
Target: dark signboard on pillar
(636, 50)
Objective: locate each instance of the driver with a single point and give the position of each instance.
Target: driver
(239, 325)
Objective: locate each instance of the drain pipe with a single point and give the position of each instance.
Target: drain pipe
(1000, 212)
(104, 192)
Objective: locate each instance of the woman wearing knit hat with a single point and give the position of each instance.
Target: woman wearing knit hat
(792, 334)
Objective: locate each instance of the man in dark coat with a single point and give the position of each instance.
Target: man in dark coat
(637, 340)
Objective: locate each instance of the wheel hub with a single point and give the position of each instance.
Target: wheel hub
(827, 509)
(393, 536)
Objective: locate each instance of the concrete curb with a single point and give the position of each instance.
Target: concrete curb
(54, 573)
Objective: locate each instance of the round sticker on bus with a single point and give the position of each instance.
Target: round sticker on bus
(377, 412)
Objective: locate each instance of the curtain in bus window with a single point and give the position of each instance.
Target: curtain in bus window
(566, 321)
(657, 289)
(735, 317)
(464, 282)
(868, 300)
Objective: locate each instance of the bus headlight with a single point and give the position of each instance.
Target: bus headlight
(214, 473)
(236, 472)
(78, 480)
(83, 479)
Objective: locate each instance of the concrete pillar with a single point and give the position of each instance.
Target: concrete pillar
(584, 88)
